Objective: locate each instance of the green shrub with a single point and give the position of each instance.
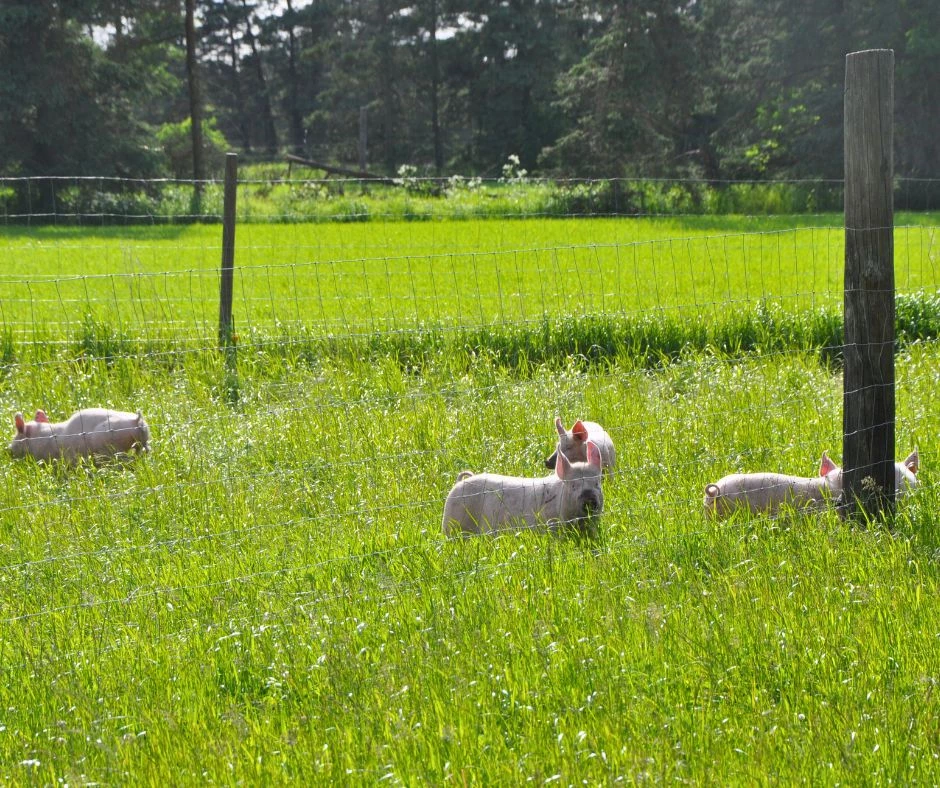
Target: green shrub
(177, 143)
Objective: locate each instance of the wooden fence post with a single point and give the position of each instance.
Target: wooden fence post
(868, 383)
(226, 326)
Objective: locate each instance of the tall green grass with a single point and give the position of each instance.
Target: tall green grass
(591, 341)
(267, 597)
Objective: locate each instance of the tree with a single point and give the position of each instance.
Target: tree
(294, 112)
(195, 102)
(261, 84)
(781, 74)
(298, 42)
(437, 142)
(221, 60)
(65, 107)
(710, 88)
(917, 91)
(363, 63)
(631, 101)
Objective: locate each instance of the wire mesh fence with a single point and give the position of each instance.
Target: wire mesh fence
(374, 361)
(282, 541)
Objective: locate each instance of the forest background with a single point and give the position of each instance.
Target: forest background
(703, 89)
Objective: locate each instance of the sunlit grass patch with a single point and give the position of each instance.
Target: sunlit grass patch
(268, 597)
(274, 573)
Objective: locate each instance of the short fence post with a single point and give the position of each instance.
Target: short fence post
(226, 327)
(868, 382)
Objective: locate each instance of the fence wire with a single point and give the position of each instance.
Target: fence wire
(376, 360)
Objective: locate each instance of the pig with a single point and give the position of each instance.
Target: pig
(573, 444)
(487, 503)
(93, 432)
(765, 492)
(905, 474)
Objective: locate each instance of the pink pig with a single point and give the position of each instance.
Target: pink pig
(766, 492)
(92, 432)
(573, 444)
(488, 503)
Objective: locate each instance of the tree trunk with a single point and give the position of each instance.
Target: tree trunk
(267, 116)
(293, 108)
(195, 105)
(385, 86)
(243, 129)
(435, 87)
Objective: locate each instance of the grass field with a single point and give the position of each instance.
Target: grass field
(152, 283)
(267, 596)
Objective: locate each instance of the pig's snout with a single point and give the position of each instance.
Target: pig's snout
(590, 503)
(550, 461)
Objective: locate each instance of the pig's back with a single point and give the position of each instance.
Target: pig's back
(93, 419)
(104, 431)
(485, 501)
(767, 491)
(599, 437)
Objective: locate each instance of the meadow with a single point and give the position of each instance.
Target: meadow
(268, 597)
(378, 278)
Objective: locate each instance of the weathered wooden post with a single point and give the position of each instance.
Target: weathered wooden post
(868, 395)
(226, 326)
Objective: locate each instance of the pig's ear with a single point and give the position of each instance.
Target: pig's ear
(562, 464)
(826, 466)
(560, 426)
(41, 417)
(579, 431)
(593, 455)
(20, 423)
(912, 463)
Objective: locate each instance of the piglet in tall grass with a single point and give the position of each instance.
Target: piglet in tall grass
(573, 444)
(767, 492)
(93, 432)
(487, 503)
(905, 474)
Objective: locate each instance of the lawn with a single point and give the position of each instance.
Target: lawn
(399, 276)
(268, 597)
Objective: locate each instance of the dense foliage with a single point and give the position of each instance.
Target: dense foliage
(702, 88)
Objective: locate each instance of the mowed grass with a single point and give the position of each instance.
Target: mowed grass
(163, 282)
(267, 596)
